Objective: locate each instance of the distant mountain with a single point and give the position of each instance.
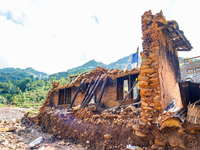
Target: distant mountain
(92, 64)
(7, 74)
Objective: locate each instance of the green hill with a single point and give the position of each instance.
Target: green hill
(92, 64)
(9, 74)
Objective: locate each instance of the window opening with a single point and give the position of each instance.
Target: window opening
(189, 71)
(197, 69)
(93, 97)
(124, 84)
(125, 88)
(61, 97)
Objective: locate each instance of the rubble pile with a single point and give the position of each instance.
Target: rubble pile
(96, 128)
(101, 71)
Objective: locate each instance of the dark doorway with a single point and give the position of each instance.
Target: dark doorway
(64, 96)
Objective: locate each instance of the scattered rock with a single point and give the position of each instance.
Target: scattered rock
(36, 141)
(159, 143)
(8, 129)
(140, 134)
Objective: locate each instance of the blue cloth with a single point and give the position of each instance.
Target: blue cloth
(134, 58)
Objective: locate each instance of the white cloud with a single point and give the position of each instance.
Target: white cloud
(54, 36)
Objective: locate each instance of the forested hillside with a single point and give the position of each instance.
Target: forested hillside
(92, 64)
(9, 74)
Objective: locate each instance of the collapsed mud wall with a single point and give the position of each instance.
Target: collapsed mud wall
(159, 71)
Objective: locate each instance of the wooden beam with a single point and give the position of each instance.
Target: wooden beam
(191, 58)
(178, 49)
(102, 90)
(64, 95)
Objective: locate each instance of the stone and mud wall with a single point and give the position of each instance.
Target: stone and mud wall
(159, 71)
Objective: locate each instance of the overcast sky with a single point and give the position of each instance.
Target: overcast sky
(56, 35)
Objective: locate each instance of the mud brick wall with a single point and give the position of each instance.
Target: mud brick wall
(159, 71)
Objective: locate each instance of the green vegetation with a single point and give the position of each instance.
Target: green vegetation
(25, 93)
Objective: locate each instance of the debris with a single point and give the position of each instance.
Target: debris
(36, 141)
(8, 129)
(171, 122)
(193, 114)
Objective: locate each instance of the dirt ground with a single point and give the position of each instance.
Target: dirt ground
(23, 134)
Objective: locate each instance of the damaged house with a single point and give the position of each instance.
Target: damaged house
(93, 85)
(115, 119)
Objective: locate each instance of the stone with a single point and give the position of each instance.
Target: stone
(143, 84)
(149, 71)
(36, 141)
(155, 84)
(107, 136)
(154, 147)
(8, 129)
(159, 142)
(153, 79)
(49, 148)
(136, 127)
(87, 142)
(147, 108)
(62, 143)
(171, 122)
(154, 56)
(146, 62)
(154, 75)
(143, 78)
(140, 134)
(129, 108)
(138, 148)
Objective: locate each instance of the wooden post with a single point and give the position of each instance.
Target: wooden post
(76, 94)
(64, 95)
(129, 85)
